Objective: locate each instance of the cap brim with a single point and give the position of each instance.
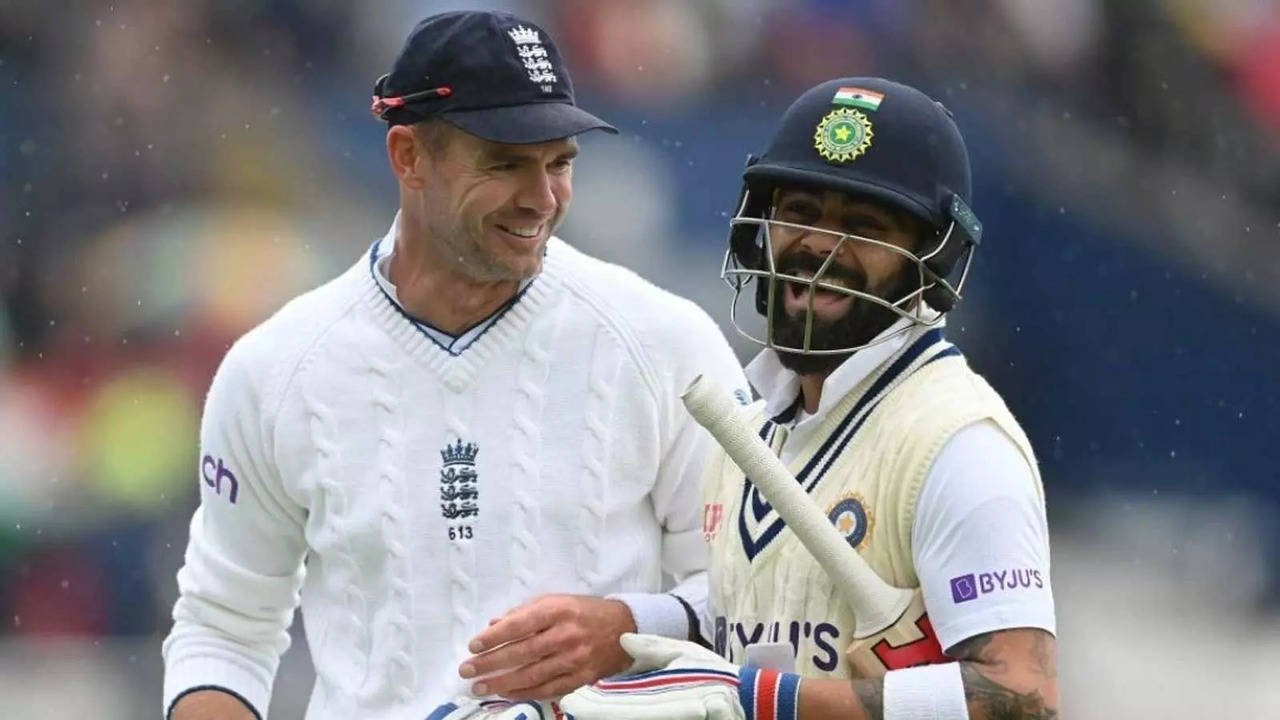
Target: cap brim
(525, 124)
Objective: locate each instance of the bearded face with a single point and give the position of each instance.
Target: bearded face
(840, 320)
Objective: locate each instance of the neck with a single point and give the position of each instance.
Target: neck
(813, 371)
(435, 288)
(811, 391)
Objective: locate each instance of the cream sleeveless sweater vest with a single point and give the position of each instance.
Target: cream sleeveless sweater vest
(865, 469)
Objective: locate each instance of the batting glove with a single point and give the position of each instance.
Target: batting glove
(677, 680)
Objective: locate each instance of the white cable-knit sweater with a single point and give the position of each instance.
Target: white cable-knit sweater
(405, 495)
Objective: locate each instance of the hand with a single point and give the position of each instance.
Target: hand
(466, 708)
(549, 646)
(678, 680)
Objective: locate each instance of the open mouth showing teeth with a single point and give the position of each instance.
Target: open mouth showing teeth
(801, 290)
(526, 233)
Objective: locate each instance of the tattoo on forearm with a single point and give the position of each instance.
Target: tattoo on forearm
(871, 694)
(972, 648)
(1044, 656)
(996, 702)
(990, 700)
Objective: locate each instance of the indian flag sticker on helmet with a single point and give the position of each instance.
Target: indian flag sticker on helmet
(858, 97)
(842, 135)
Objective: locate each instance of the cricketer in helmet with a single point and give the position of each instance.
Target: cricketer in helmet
(856, 215)
(855, 228)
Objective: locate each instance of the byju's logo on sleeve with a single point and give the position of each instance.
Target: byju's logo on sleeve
(972, 586)
(964, 588)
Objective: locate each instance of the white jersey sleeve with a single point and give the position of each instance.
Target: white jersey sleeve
(242, 570)
(980, 539)
(677, 495)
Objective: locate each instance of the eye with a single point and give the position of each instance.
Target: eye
(865, 226)
(801, 212)
(503, 167)
(561, 164)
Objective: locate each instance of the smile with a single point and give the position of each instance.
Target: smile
(527, 232)
(825, 300)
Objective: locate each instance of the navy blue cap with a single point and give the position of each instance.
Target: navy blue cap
(900, 147)
(492, 74)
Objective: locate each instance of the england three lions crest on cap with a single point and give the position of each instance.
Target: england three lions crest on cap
(534, 56)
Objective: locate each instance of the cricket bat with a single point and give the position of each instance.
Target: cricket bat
(891, 630)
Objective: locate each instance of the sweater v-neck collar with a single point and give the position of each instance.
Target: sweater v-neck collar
(461, 369)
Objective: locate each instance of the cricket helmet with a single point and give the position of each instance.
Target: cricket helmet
(873, 139)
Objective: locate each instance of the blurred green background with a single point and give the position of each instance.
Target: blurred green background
(172, 172)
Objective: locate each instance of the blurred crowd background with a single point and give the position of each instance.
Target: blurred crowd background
(172, 172)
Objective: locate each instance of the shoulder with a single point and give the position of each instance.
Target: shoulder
(943, 395)
(981, 475)
(666, 328)
(981, 461)
(266, 357)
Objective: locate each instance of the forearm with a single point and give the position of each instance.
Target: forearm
(992, 691)
(1011, 674)
(992, 695)
(824, 699)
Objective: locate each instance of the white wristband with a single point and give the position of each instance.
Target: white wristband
(656, 614)
(929, 692)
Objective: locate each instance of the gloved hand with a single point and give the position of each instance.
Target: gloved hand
(678, 680)
(469, 708)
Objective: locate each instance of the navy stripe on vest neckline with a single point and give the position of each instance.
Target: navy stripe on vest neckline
(837, 440)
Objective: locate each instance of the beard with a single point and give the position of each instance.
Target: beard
(471, 250)
(860, 324)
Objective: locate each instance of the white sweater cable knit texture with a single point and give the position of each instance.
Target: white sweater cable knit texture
(403, 495)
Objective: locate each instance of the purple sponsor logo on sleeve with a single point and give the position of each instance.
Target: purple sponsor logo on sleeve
(964, 588)
(217, 475)
(972, 586)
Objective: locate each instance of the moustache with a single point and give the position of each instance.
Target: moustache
(797, 261)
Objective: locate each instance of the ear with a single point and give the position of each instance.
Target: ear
(405, 154)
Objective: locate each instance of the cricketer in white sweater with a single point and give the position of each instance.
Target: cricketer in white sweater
(405, 494)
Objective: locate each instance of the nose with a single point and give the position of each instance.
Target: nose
(538, 193)
(822, 244)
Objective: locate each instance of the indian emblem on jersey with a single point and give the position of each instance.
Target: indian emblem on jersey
(842, 135)
(852, 519)
(459, 493)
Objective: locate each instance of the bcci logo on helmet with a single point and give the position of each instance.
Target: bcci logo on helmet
(842, 135)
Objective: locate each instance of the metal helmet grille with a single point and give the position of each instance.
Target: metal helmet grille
(737, 272)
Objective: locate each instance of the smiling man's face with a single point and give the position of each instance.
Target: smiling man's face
(839, 320)
(493, 206)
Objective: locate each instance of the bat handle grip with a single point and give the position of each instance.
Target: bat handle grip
(875, 603)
